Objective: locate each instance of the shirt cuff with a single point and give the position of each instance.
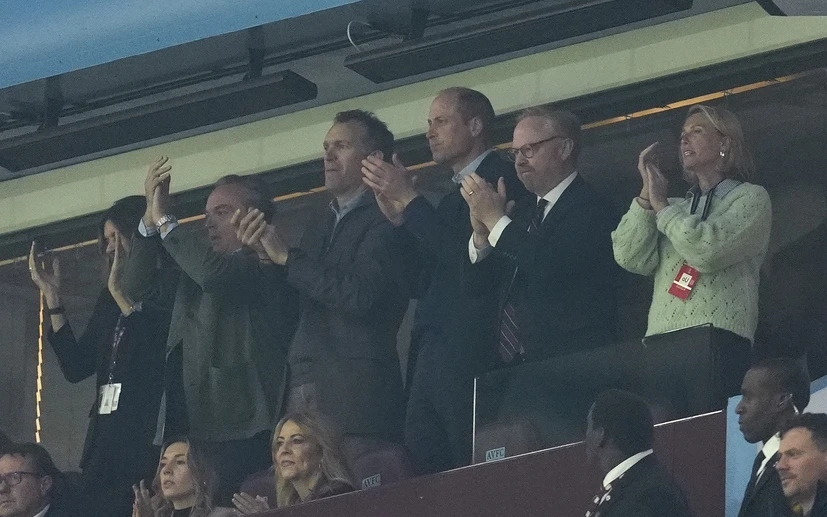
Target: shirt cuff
(144, 231)
(497, 230)
(170, 226)
(477, 255)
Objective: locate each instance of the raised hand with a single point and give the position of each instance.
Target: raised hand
(48, 283)
(658, 189)
(249, 229)
(156, 190)
(248, 505)
(254, 231)
(142, 505)
(645, 162)
(486, 204)
(392, 184)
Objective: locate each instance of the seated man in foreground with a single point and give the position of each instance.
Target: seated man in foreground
(619, 442)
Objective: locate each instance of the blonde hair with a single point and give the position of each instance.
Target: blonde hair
(204, 478)
(737, 161)
(332, 465)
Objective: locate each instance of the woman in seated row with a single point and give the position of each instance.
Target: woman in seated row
(184, 485)
(308, 465)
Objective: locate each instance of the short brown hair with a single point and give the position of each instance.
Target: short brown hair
(471, 103)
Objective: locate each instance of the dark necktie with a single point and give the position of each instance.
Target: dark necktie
(753, 478)
(601, 497)
(509, 344)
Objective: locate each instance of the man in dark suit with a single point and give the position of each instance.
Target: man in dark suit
(619, 442)
(553, 256)
(348, 271)
(453, 335)
(28, 479)
(772, 392)
(232, 320)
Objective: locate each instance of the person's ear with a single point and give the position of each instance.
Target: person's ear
(566, 149)
(475, 126)
(45, 485)
(378, 154)
(784, 400)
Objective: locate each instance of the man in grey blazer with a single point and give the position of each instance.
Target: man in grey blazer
(232, 320)
(349, 269)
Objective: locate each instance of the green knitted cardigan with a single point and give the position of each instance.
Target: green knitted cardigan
(727, 249)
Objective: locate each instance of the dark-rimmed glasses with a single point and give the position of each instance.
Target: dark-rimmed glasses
(528, 150)
(15, 478)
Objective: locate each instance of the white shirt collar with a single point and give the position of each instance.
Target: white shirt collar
(553, 195)
(769, 449)
(471, 167)
(624, 466)
(42, 512)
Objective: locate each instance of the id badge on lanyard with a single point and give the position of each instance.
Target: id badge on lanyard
(110, 393)
(687, 275)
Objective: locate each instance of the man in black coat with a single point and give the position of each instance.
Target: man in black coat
(348, 272)
(554, 271)
(619, 442)
(453, 335)
(772, 392)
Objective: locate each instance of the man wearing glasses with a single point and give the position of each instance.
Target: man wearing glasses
(27, 478)
(557, 275)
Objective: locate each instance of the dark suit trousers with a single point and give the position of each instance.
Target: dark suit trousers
(438, 423)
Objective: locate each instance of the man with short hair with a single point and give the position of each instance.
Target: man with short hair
(619, 435)
(452, 340)
(773, 391)
(802, 464)
(27, 482)
(555, 274)
(348, 270)
(232, 320)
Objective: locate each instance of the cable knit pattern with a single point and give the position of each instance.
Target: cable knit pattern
(727, 249)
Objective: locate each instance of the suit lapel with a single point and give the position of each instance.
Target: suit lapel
(568, 200)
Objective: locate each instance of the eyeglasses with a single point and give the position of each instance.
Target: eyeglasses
(15, 478)
(528, 150)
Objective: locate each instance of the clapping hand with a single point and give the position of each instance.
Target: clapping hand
(48, 283)
(655, 185)
(156, 190)
(248, 505)
(142, 505)
(254, 231)
(392, 185)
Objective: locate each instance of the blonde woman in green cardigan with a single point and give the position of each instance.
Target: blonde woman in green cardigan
(704, 250)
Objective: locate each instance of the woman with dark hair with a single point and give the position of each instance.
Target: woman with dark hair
(308, 465)
(184, 485)
(704, 250)
(123, 346)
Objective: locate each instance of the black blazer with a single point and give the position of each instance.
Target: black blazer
(466, 325)
(561, 279)
(645, 490)
(353, 297)
(119, 444)
(766, 499)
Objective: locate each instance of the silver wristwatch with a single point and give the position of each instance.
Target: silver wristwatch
(165, 219)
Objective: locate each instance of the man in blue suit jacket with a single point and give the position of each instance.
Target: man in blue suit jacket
(453, 335)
